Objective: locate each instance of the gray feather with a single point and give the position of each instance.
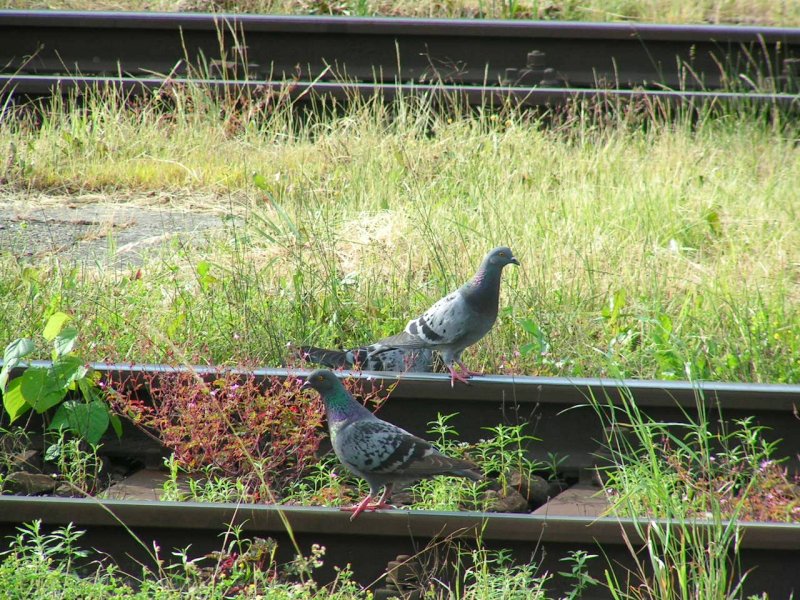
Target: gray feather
(376, 357)
(383, 453)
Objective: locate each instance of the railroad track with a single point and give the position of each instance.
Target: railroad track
(558, 413)
(374, 540)
(532, 63)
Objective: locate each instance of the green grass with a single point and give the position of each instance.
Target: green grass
(54, 565)
(702, 480)
(649, 247)
(763, 12)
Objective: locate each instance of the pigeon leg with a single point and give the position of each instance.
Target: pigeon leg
(387, 491)
(456, 375)
(359, 508)
(365, 505)
(466, 370)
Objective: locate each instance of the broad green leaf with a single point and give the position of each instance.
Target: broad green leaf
(530, 326)
(66, 370)
(116, 423)
(61, 418)
(88, 420)
(204, 271)
(13, 401)
(18, 349)
(39, 389)
(15, 351)
(88, 389)
(65, 341)
(54, 325)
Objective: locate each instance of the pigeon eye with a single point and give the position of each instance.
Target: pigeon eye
(502, 253)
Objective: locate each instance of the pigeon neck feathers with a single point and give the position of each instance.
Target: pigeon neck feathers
(482, 292)
(341, 406)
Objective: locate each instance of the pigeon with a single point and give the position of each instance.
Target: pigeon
(375, 450)
(376, 357)
(459, 319)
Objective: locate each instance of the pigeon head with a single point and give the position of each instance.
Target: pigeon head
(482, 292)
(500, 257)
(340, 406)
(323, 381)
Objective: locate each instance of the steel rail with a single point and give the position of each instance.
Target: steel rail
(557, 410)
(521, 55)
(767, 550)
(305, 91)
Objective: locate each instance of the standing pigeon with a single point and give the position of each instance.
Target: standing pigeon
(375, 450)
(375, 357)
(459, 319)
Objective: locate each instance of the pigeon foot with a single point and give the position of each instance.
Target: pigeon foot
(465, 370)
(455, 375)
(365, 506)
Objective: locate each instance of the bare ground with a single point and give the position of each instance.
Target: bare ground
(100, 228)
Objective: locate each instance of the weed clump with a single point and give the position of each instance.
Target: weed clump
(238, 439)
(699, 473)
(266, 435)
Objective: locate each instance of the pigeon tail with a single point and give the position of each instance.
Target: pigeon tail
(470, 474)
(334, 359)
(375, 357)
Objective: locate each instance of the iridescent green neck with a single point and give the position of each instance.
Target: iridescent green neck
(341, 406)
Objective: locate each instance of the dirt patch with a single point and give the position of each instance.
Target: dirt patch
(98, 229)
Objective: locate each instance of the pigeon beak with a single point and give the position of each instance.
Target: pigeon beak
(514, 261)
(306, 385)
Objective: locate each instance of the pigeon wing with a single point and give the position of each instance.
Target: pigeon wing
(375, 446)
(392, 358)
(380, 448)
(443, 324)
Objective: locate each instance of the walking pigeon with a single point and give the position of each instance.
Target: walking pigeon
(459, 319)
(375, 357)
(377, 451)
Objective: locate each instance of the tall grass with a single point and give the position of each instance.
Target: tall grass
(687, 486)
(650, 246)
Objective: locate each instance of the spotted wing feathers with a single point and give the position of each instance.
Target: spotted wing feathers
(445, 323)
(375, 447)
